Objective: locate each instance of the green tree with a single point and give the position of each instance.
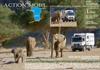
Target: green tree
(8, 29)
(80, 17)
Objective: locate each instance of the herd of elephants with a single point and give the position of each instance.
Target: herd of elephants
(59, 42)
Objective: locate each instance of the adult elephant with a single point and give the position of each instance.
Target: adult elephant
(30, 45)
(59, 42)
(55, 18)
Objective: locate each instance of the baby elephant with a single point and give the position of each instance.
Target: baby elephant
(18, 54)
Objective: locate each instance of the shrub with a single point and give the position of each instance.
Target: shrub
(98, 44)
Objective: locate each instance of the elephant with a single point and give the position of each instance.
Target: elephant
(55, 17)
(59, 42)
(30, 45)
(18, 54)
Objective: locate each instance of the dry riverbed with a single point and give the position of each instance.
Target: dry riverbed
(88, 60)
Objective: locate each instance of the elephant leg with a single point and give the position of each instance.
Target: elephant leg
(58, 20)
(61, 50)
(57, 53)
(17, 60)
(22, 59)
(29, 51)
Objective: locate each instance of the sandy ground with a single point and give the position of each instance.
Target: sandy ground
(88, 60)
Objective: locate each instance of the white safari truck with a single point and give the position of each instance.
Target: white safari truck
(82, 41)
(68, 15)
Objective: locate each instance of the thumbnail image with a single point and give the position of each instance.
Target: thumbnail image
(62, 14)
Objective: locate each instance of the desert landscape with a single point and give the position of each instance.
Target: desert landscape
(41, 60)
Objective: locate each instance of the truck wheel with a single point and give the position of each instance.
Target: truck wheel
(88, 49)
(80, 49)
(73, 20)
(63, 20)
(66, 19)
(69, 20)
(73, 50)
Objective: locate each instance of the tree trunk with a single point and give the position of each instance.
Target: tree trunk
(46, 40)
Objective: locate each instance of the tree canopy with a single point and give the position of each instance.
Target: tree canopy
(7, 28)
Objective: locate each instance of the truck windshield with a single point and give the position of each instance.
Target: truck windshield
(78, 39)
(71, 13)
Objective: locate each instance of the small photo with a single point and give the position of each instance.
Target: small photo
(62, 15)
